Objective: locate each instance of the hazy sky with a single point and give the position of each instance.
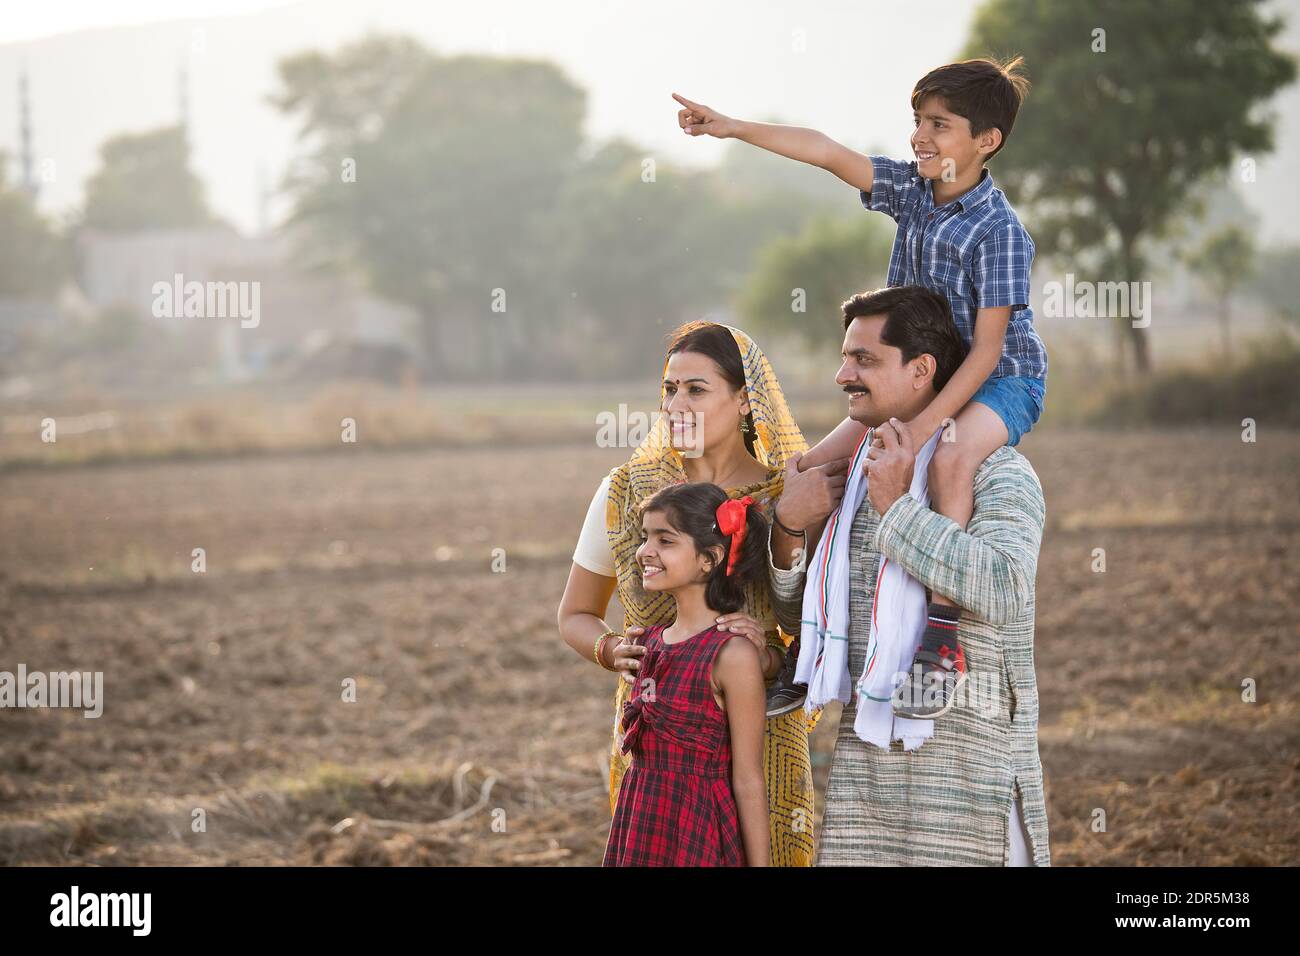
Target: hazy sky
(97, 69)
(34, 22)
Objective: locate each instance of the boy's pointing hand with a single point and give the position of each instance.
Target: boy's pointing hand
(698, 120)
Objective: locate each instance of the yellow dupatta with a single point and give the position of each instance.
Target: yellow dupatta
(656, 464)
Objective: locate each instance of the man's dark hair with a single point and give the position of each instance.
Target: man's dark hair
(917, 322)
(986, 93)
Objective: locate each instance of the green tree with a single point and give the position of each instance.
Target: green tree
(33, 257)
(144, 182)
(647, 245)
(800, 281)
(1221, 263)
(1132, 106)
(436, 179)
(633, 252)
(472, 174)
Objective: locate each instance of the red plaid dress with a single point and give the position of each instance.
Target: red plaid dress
(675, 805)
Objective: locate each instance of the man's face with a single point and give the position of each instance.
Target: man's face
(942, 141)
(880, 385)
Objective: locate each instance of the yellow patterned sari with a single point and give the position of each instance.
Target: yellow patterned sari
(656, 464)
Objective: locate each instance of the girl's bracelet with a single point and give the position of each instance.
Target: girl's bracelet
(599, 651)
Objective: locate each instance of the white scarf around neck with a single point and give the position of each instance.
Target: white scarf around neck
(898, 619)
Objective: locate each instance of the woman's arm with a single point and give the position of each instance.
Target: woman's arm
(740, 683)
(580, 617)
(581, 622)
(581, 613)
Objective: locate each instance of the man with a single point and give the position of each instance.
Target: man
(972, 794)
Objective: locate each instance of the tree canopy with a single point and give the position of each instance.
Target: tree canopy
(1132, 107)
(144, 182)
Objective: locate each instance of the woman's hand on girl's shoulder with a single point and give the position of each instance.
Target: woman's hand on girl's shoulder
(628, 653)
(739, 622)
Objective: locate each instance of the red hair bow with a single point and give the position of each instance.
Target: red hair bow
(731, 515)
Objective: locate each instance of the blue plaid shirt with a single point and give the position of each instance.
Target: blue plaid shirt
(972, 250)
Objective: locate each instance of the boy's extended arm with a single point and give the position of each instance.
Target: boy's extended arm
(794, 142)
(809, 146)
(986, 350)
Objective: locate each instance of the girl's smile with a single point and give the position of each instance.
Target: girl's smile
(666, 557)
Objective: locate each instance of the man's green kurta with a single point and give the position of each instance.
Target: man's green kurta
(948, 802)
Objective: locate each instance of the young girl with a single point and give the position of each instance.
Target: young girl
(694, 794)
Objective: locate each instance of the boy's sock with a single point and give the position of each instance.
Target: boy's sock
(941, 633)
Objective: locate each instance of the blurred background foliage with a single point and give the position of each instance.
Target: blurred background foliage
(454, 186)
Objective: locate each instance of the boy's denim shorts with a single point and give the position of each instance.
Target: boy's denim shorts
(1016, 399)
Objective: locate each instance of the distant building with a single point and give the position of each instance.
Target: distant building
(117, 269)
(299, 313)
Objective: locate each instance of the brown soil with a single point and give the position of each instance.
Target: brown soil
(477, 737)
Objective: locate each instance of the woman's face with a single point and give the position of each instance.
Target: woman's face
(667, 557)
(700, 406)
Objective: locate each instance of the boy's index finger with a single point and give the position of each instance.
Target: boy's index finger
(685, 102)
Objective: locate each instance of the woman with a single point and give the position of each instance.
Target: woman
(724, 420)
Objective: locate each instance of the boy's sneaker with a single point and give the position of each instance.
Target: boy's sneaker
(938, 670)
(785, 695)
(930, 688)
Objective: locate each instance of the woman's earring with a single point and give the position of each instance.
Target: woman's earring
(744, 425)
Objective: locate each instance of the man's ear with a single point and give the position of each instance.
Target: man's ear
(924, 368)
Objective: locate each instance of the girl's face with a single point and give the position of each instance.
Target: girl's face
(699, 404)
(667, 557)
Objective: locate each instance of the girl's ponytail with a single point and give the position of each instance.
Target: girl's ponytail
(726, 592)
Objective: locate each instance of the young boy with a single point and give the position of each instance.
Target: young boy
(957, 235)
